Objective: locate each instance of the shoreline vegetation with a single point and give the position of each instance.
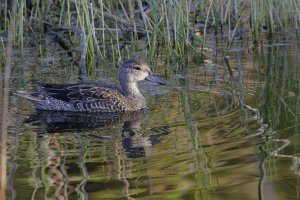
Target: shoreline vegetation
(112, 30)
(226, 111)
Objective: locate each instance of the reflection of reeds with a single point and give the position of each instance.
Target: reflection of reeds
(4, 103)
(278, 109)
(81, 162)
(201, 159)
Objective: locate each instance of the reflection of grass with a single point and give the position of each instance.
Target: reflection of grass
(278, 110)
(201, 159)
(280, 97)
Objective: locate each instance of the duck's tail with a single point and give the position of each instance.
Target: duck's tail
(32, 96)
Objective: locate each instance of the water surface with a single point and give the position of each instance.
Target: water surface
(219, 131)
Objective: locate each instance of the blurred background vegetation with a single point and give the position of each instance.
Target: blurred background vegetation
(117, 29)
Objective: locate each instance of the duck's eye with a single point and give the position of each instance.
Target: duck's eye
(137, 68)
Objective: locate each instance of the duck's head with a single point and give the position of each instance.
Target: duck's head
(133, 71)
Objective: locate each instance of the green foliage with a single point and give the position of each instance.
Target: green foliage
(172, 27)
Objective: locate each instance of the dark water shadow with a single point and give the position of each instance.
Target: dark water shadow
(92, 126)
(60, 122)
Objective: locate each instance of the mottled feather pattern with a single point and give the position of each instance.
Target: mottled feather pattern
(95, 97)
(85, 97)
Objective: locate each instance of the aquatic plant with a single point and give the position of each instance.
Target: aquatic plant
(174, 28)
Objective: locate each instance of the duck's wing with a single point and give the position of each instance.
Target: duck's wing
(88, 96)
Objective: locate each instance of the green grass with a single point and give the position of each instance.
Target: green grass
(168, 27)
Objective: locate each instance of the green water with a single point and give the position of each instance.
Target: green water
(208, 135)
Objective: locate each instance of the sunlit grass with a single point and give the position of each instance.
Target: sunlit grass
(173, 27)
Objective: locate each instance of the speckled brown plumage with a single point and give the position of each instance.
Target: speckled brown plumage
(95, 97)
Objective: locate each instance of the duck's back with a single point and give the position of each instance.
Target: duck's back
(84, 97)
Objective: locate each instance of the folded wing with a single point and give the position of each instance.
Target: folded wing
(88, 97)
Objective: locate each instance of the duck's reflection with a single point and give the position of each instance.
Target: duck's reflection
(66, 169)
(135, 143)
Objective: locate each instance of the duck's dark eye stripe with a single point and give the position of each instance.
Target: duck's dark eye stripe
(137, 68)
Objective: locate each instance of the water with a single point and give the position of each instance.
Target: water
(209, 135)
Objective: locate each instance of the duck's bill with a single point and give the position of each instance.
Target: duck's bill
(156, 79)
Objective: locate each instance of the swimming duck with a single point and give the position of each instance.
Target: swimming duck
(96, 97)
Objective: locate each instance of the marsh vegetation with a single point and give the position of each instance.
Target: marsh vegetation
(226, 127)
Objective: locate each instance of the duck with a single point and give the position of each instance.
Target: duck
(97, 97)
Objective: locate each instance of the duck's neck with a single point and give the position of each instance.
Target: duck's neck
(131, 89)
(135, 99)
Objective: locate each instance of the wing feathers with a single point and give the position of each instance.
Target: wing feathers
(89, 97)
